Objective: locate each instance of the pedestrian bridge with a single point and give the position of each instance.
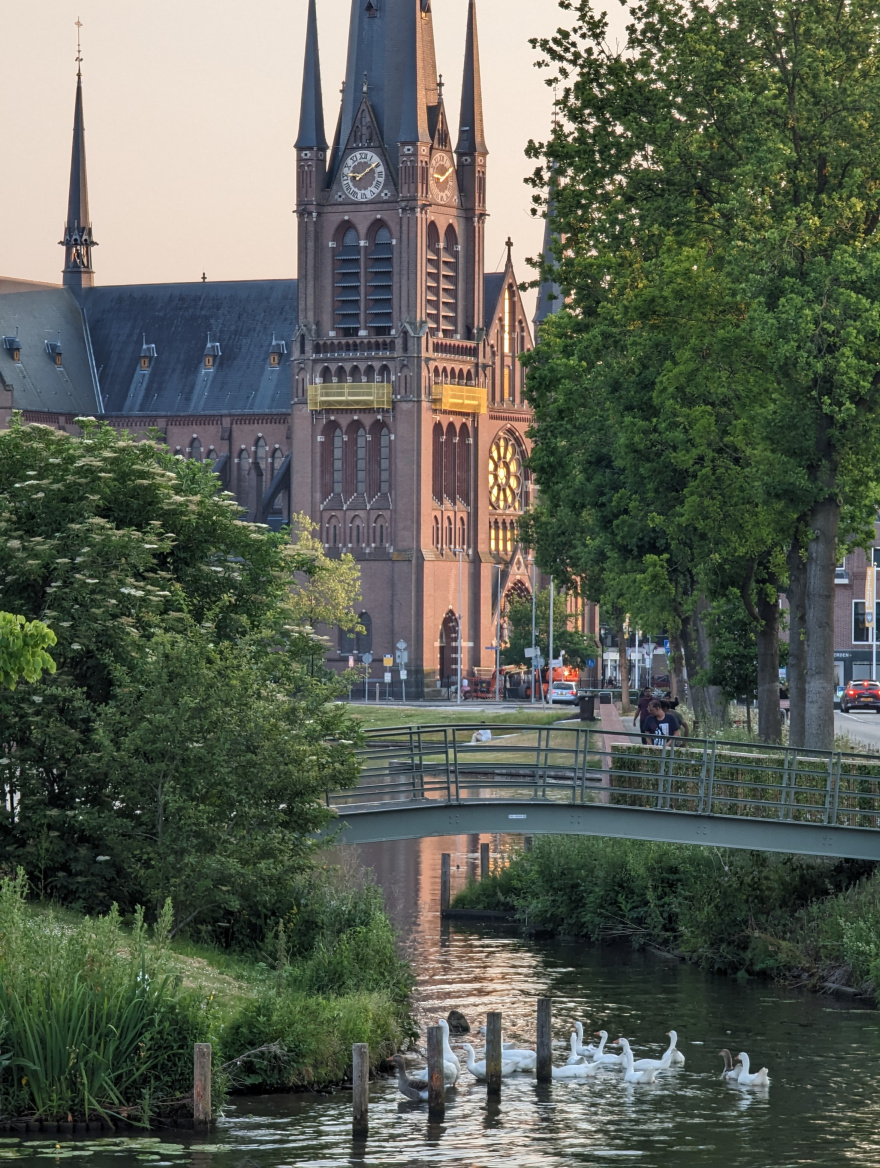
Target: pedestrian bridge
(574, 780)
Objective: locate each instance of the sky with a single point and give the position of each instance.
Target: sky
(191, 111)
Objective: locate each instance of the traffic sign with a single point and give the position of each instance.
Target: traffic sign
(387, 660)
(367, 658)
(401, 644)
(591, 662)
(490, 648)
(403, 675)
(530, 652)
(387, 678)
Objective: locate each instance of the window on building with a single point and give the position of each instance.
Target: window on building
(450, 533)
(332, 536)
(381, 284)
(437, 463)
(384, 461)
(449, 283)
(463, 461)
(365, 639)
(195, 449)
(332, 461)
(434, 260)
(861, 632)
(348, 285)
(436, 531)
(449, 459)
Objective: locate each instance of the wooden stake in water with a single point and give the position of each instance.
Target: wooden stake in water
(360, 1081)
(484, 861)
(545, 1057)
(445, 879)
(202, 1084)
(493, 1052)
(436, 1081)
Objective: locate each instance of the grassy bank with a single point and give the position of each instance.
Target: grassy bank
(805, 920)
(454, 715)
(98, 1018)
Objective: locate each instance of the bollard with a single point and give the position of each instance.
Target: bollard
(527, 843)
(484, 861)
(445, 878)
(545, 1054)
(436, 1079)
(202, 1084)
(493, 1052)
(360, 1081)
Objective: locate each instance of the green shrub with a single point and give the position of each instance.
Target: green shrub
(91, 1021)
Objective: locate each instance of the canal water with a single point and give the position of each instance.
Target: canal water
(822, 1108)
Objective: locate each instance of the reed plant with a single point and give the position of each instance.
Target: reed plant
(92, 1020)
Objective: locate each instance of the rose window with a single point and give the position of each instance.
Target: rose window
(505, 475)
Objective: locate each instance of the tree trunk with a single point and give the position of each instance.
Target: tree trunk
(821, 564)
(679, 686)
(767, 639)
(707, 701)
(797, 659)
(749, 714)
(623, 668)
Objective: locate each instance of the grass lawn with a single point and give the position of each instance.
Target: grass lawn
(454, 715)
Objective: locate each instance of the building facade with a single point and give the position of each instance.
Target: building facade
(380, 392)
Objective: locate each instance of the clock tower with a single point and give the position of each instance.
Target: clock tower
(399, 384)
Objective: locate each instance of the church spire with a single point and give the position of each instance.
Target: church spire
(77, 241)
(311, 114)
(550, 298)
(471, 133)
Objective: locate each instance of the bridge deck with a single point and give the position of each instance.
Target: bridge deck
(436, 780)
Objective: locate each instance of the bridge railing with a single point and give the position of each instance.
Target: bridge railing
(577, 764)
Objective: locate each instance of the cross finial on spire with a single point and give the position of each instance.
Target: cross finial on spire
(79, 25)
(508, 243)
(440, 86)
(366, 85)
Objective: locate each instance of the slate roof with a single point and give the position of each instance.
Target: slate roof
(241, 316)
(37, 383)
(493, 286)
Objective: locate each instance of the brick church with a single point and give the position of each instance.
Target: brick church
(379, 392)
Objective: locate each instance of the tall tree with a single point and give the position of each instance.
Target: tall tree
(745, 133)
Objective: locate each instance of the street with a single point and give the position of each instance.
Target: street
(862, 728)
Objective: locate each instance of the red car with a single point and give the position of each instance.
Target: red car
(860, 695)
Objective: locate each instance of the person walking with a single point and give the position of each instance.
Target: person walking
(641, 714)
(659, 725)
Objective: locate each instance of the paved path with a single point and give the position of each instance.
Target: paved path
(862, 728)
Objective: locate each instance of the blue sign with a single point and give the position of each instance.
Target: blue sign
(591, 663)
(666, 645)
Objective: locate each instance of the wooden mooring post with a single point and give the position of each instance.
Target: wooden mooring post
(544, 1066)
(445, 881)
(360, 1083)
(493, 1052)
(484, 861)
(436, 1078)
(202, 1084)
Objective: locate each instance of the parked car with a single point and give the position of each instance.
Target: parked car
(563, 691)
(860, 695)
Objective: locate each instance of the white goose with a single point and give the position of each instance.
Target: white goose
(580, 1070)
(478, 1069)
(525, 1059)
(634, 1076)
(677, 1056)
(575, 1057)
(644, 1064)
(749, 1078)
(589, 1050)
(451, 1063)
(599, 1056)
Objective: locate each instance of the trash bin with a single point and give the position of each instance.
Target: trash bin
(605, 697)
(588, 707)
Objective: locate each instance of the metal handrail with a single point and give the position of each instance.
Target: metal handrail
(406, 766)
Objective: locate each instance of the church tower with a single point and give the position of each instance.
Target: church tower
(78, 241)
(394, 373)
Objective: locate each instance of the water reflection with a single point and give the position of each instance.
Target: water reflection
(823, 1107)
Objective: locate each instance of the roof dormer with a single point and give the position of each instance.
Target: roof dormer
(212, 353)
(13, 345)
(277, 350)
(148, 354)
(53, 348)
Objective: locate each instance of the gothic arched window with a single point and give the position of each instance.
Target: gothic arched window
(365, 639)
(507, 474)
(195, 449)
(261, 456)
(355, 481)
(449, 266)
(437, 464)
(449, 476)
(450, 533)
(380, 287)
(463, 461)
(348, 284)
(379, 478)
(332, 461)
(433, 280)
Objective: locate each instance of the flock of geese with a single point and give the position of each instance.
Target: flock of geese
(584, 1062)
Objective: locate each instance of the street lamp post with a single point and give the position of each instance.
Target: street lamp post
(532, 685)
(460, 639)
(550, 674)
(498, 642)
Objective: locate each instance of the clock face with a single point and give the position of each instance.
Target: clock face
(442, 177)
(363, 175)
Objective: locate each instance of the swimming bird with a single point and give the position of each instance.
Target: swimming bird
(415, 1090)
(478, 1069)
(749, 1078)
(580, 1070)
(645, 1064)
(590, 1048)
(633, 1076)
(575, 1057)
(677, 1056)
(599, 1056)
(730, 1071)
(451, 1062)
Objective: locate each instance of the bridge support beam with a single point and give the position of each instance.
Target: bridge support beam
(381, 822)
